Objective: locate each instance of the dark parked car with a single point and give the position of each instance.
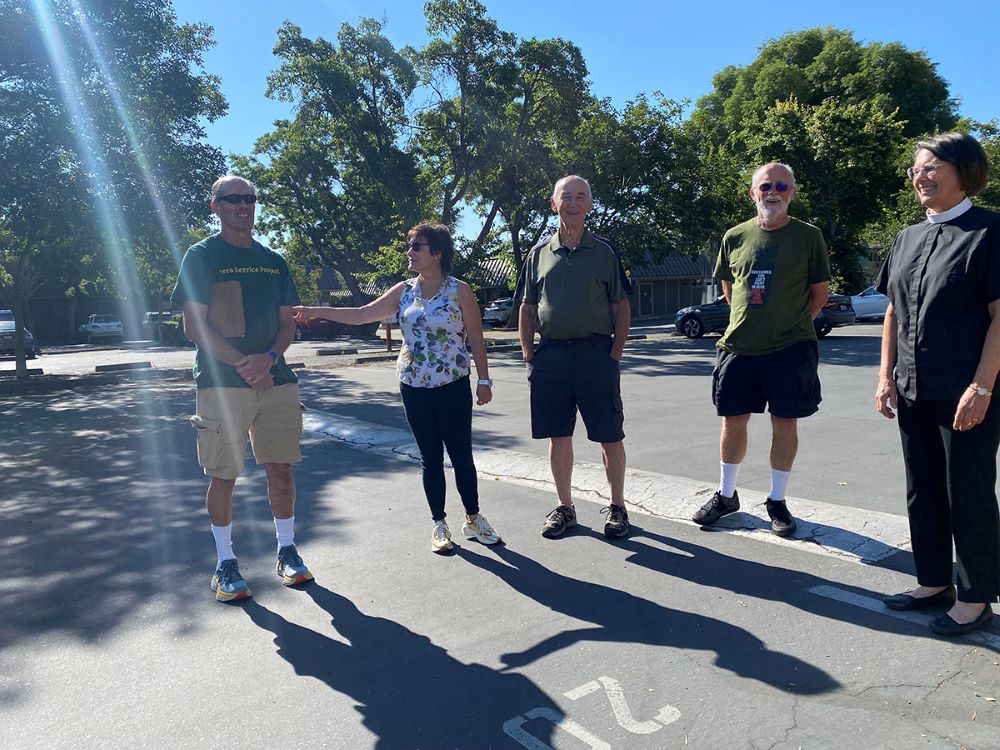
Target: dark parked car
(320, 328)
(837, 312)
(697, 320)
(713, 317)
(7, 340)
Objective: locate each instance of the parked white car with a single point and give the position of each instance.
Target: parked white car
(101, 327)
(869, 304)
(497, 313)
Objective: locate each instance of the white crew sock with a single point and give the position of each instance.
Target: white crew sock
(223, 542)
(779, 481)
(727, 481)
(285, 530)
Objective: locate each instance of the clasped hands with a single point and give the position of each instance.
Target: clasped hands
(255, 369)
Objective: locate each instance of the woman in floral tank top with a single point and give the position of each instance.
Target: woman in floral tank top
(441, 325)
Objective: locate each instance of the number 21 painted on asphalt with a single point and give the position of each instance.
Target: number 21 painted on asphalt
(616, 696)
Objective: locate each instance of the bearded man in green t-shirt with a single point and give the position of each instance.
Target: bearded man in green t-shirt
(775, 273)
(237, 297)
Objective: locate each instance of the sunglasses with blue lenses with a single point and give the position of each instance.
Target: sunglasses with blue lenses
(767, 187)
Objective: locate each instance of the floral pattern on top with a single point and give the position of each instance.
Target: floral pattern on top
(435, 348)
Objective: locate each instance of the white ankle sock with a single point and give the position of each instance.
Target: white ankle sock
(223, 542)
(779, 481)
(285, 531)
(729, 474)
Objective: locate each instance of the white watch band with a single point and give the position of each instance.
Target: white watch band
(485, 381)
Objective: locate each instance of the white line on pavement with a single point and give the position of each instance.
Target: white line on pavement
(874, 605)
(864, 536)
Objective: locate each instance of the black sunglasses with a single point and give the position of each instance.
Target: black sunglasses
(234, 198)
(767, 187)
(414, 245)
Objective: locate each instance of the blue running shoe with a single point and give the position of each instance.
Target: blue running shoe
(228, 584)
(291, 569)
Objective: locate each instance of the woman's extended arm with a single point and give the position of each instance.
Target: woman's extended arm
(384, 307)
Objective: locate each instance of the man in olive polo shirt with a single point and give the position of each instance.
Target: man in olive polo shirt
(574, 297)
(775, 273)
(237, 297)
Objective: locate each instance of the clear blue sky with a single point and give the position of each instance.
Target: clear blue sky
(630, 46)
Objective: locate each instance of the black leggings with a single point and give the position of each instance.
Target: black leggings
(442, 418)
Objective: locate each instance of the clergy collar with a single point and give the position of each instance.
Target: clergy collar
(952, 213)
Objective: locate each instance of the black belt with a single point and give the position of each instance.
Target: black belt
(593, 338)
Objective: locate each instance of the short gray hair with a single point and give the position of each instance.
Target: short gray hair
(228, 178)
(561, 180)
(761, 168)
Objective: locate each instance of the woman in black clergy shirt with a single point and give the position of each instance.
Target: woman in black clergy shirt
(940, 358)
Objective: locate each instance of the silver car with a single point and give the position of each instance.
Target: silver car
(7, 340)
(869, 304)
(497, 313)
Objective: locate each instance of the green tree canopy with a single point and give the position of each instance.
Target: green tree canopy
(336, 181)
(102, 108)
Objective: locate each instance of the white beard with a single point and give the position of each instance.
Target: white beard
(771, 212)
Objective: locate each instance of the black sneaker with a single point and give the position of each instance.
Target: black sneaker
(782, 523)
(560, 519)
(617, 523)
(716, 508)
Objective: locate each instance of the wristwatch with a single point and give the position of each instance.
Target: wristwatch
(981, 390)
(485, 381)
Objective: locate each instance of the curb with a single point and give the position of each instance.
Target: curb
(40, 384)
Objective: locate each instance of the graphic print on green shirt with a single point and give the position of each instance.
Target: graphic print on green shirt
(761, 276)
(265, 284)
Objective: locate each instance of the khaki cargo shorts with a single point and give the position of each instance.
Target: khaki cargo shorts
(226, 417)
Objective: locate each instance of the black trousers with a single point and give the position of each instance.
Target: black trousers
(951, 494)
(442, 418)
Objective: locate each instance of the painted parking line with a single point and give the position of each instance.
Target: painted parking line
(515, 727)
(875, 605)
(860, 535)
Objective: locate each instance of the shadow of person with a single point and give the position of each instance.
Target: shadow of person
(621, 617)
(709, 567)
(410, 692)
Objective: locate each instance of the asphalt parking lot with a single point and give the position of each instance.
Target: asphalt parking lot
(674, 637)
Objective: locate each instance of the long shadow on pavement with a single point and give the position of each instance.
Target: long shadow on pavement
(622, 617)
(411, 692)
(708, 567)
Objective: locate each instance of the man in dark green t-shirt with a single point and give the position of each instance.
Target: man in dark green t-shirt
(237, 297)
(775, 273)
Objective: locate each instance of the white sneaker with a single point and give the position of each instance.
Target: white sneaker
(479, 528)
(441, 538)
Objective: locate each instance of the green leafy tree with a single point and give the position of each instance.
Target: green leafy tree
(547, 102)
(644, 171)
(815, 65)
(336, 184)
(841, 113)
(838, 153)
(101, 118)
(468, 68)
